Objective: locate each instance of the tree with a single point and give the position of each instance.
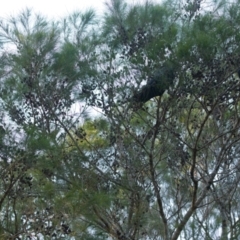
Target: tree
(159, 161)
(38, 81)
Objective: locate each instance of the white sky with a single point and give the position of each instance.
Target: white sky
(50, 8)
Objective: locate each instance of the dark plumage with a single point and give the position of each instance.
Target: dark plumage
(156, 85)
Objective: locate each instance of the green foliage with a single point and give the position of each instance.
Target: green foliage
(92, 135)
(161, 168)
(66, 60)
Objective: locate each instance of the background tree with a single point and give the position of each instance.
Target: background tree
(151, 165)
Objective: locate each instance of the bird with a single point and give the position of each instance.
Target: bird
(157, 84)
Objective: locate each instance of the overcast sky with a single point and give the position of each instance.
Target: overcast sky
(51, 8)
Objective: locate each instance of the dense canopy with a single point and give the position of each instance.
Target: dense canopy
(121, 126)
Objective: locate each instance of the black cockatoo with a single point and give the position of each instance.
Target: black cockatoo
(157, 84)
